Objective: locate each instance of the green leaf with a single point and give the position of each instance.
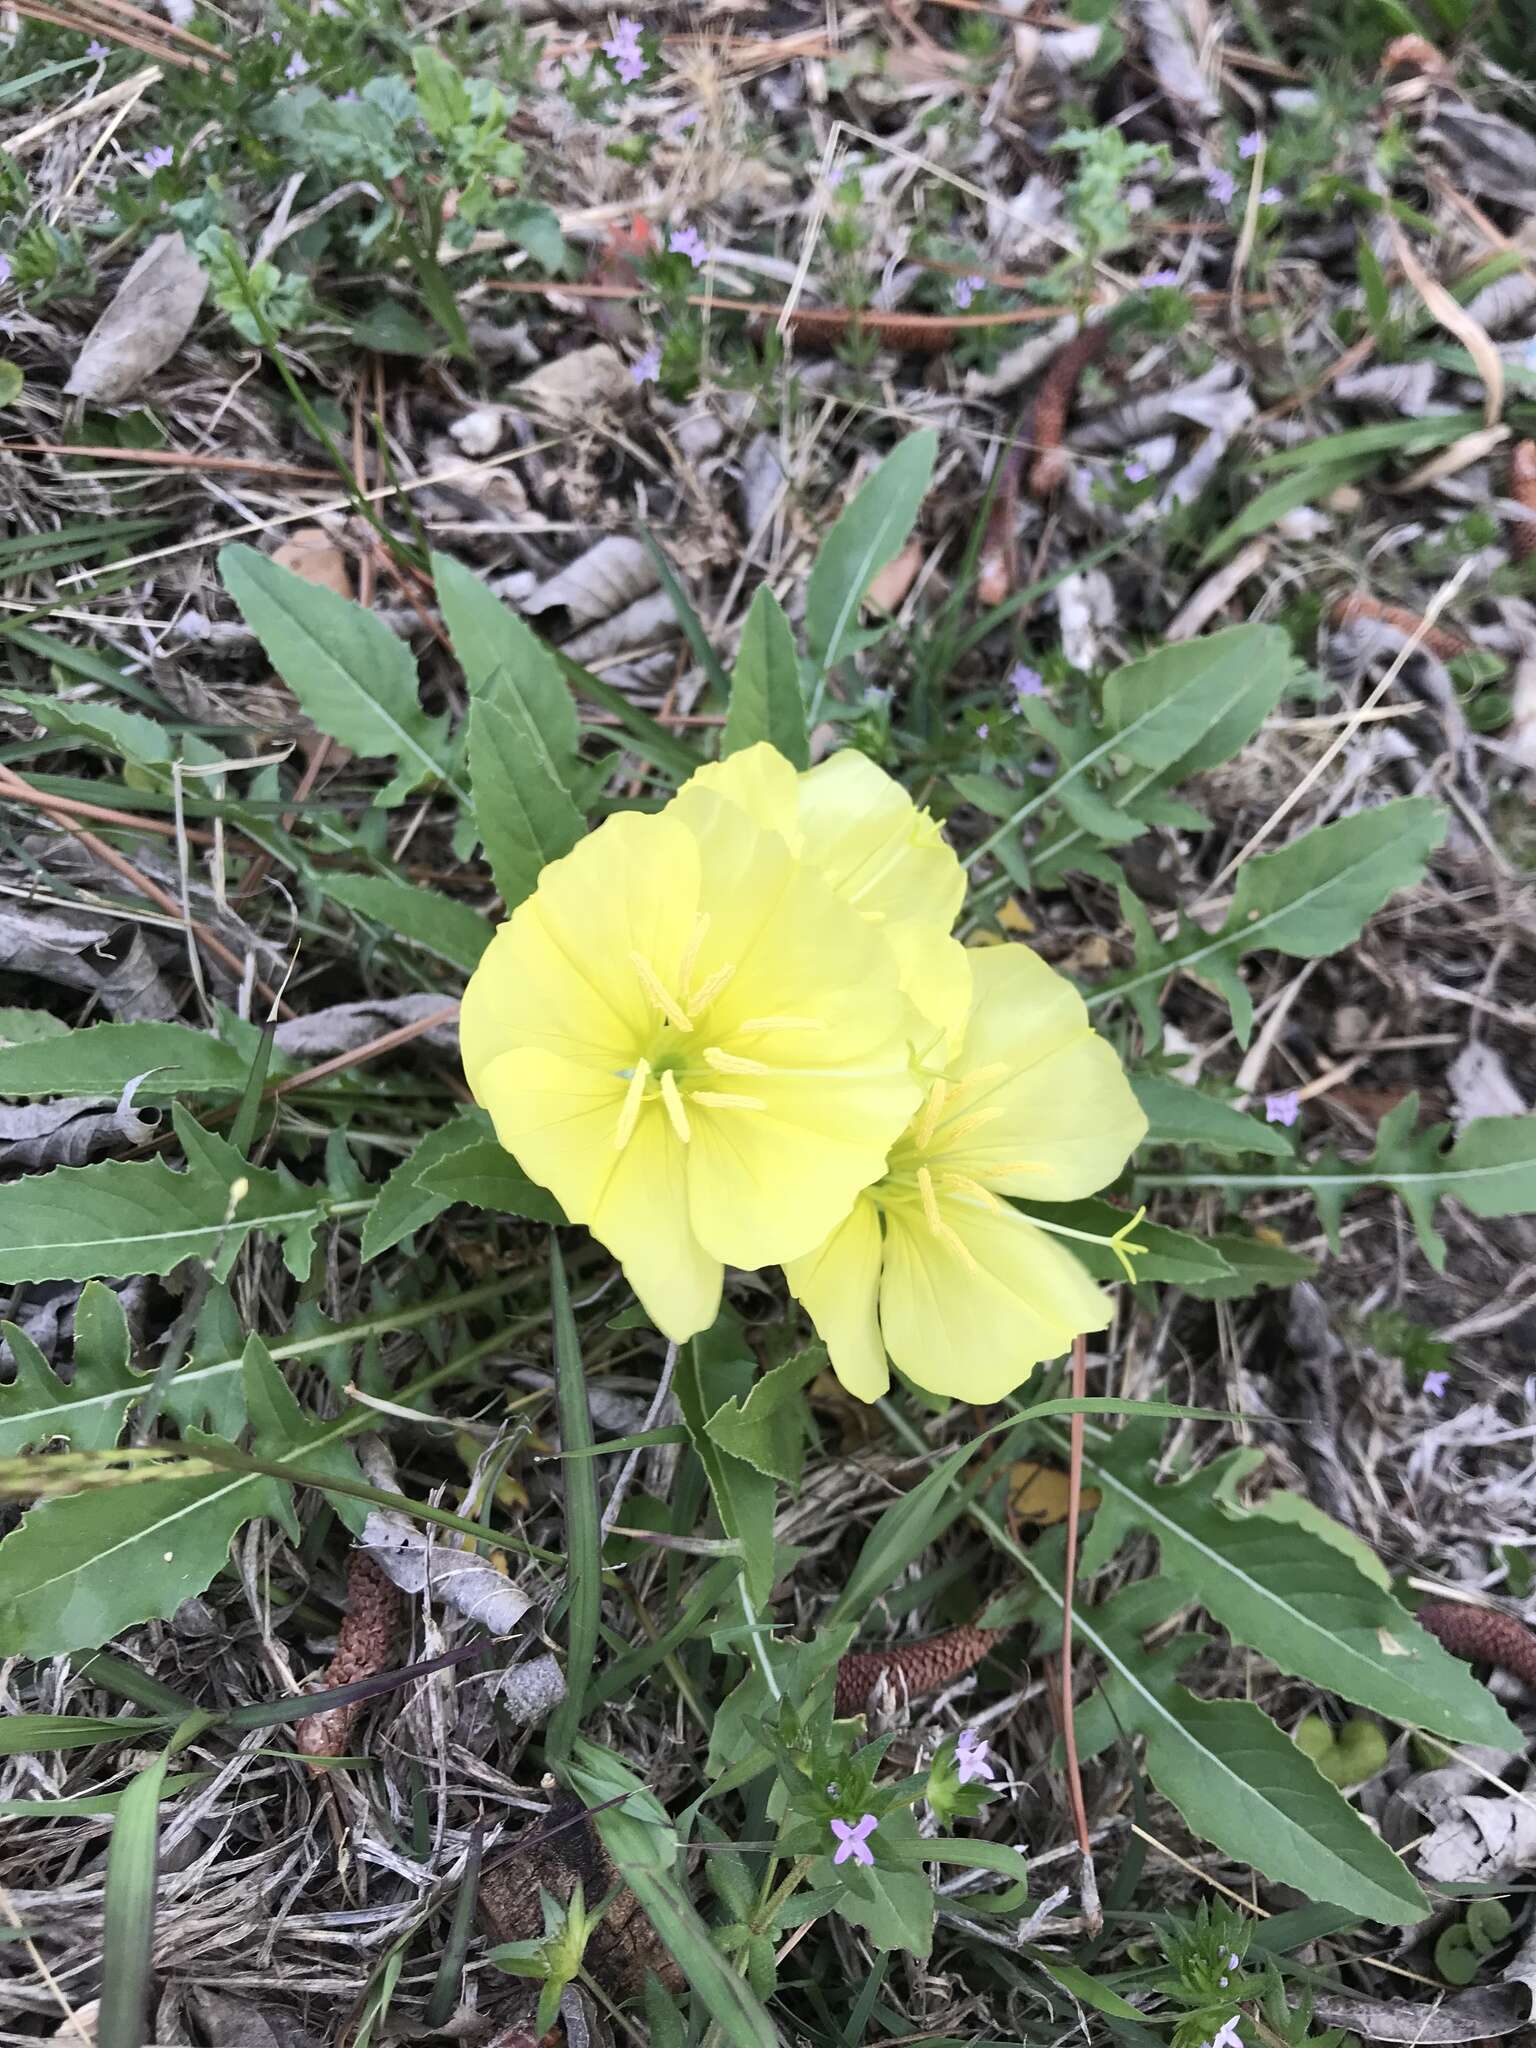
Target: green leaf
(486, 1177)
(1173, 1256)
(535, 228)
(448, 930)
(128, 1931)
(765, 702)
(717, 1365)
(583, 1537)
(126, 735)
(1279, 1589)
(444, 97)
(391, 329)
(1297, 1508)
(504, 662)
(119, 1218)
(868, 533)
(768, 1429)
(101, 1059)
(1403, 437)
(1253, 1264)
(1239, 1782)
(1313, 897)
(12, 381)
(403, 1204)
(82, 1567)
(36, 1406)
(523, 812)
(1180, 1115)
(1490, 1169)
(1261, 512)
(354, 677)
(643, 1848)
(902, 1533)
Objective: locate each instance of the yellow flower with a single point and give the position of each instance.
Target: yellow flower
(698, 1049)
(851, 821)
(965, 1293)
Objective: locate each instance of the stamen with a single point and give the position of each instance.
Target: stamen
(933, 1109)
(672, 1102)
(725, 1062)
(938, 1226)
(781, 1024)
(980, 1077)
(656, 989)
(1017, 1166)
(973, 1122)
(706, 992)
(700, 929)
(634, 1095)
(972, 1189)
(706, 1099)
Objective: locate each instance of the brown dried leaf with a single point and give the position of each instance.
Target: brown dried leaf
(604, 580)
(577, 381)
(310, 552)
(149, 318)
(891, 584)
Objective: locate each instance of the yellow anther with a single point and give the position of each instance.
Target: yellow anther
(700, 929)
(933, 1109)
(936, 1223)
(725, 1062)
(705, 993)
(979, 1077)
(634, 1095)
(672, 1102)
(971, 1189)
(657, 990)
(973, 1122)
(706, 1099)
(781, 1024)
(1016, 1166)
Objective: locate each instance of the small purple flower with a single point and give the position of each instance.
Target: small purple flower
(983, 732)
(1136, 472)
(1227, 2035)
(1160, 280)
(1250, 146)
(972, 1758)
(158, 159)
(97, 50)
(276, 34)
(852, 1840)
(1435, 1384)
(680, 122)
(646, 369)
(1024, 681)
(1221, 185)
(1234, 1962)
(688, 242)
(1271, 196)
(630, 67)
(1283, 1107)
(625, 40)
(350, 94)
(296, 66)
(966, 289)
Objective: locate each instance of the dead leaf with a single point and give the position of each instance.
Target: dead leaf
(609, 576)
(1519, 736)
(1480, 1086)
(1040, 1495)
(577, 381)
(1484, 1841)
(466, 1580)
(891, 584)
(529, 1693)
(1177, 33)
(641, 624)
(1013, 917)
(1455, 319)
(310, 552)
(345, 1026)
(149, 318)
(1493, 156)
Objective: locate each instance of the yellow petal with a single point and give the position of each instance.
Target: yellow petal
(643, 1219)
(971, 1310)
(1067, 1110)
(935, 972)
(838, 1285)
(875, 846)
(760, 781)
(557, 1117)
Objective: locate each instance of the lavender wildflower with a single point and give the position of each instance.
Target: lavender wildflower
(1160, 280)
(1271, 196)
(97, 50)
(296, 66)
(1136, 472)
(1221, 185)
(852, 1840)
(1024, 681)
(688, 242)
(1250, 146)
(159, 159)
(972, 1758)
(1435, 1384)
(646, 368)
(1283, 1107)
(983, 731)
(966, 289)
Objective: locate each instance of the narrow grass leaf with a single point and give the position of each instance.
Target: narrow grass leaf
(869, 531)
(128, 1904)
(583, 1539)
(765, 698)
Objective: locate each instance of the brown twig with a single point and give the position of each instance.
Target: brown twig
(172, 458)
(339, 1063)
(1522, 488)
(13, 785)
(1443, 644)
(1046, 415)
(363, 1649)
(135, 821)
(161, 54)
(153, 21)
(912, 1668)
(1483, 1637)
(1068, 1591)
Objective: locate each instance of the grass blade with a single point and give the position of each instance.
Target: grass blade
(582, 1538)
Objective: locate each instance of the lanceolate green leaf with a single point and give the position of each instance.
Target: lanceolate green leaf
(101, 1059)
(505, 663)
(355, 678)
(868, 533)
(524, 813)
(717, 1366)
(766, 703)
(1281, 1590)
(1490, 1169)
(481, 1173)
(1311, 898)
(404, 1204)
(122, 1217)
(451, 931)
(84, 1566)
(86, 1411)
(1178, 1115)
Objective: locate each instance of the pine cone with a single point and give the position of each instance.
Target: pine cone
(363, 1648)
(1483, 1637)
(912, 1668)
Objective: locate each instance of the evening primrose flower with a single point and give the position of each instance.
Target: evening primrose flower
(694, 1045)
(858, 827)
(966, 1294)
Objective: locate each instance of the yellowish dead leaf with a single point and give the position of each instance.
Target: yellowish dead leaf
(1039, 1495)
(891, 584)
(311, 553)
(1013, 917)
